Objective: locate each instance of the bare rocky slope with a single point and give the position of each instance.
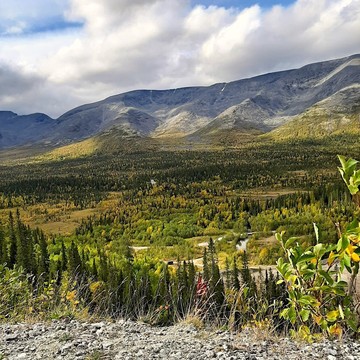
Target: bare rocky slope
(126, 340)
(259, 104)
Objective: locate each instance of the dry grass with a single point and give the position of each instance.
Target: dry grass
(80, 149)
(60, 218)
(260, 193)
(194, 320)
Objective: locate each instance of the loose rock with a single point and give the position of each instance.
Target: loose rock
(122, 340)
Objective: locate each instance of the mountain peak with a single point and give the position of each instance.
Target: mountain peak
(258, 104)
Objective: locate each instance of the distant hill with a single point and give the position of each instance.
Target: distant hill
(317, 99)
(339, 113)
(23, 129)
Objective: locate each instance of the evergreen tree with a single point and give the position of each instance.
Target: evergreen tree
(129, 288)
(206, 270)
(114, 291)
(3, 249)
(13, 241)
(216, 282)
(43, 261)
(191, 280)
(74, 262)
(164, 287)
(64, 260)
(103, 267)
(94, 271)
(144, 290)
(245, 272)
(235, 283)
(58, 273)
(227, 274)
(24, 246)
(248, 281)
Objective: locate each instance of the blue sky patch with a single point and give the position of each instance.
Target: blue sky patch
(243, 3)
(53, 24)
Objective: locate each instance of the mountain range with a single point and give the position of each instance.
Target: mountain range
(315, 100)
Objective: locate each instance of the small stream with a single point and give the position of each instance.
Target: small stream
(241, 245)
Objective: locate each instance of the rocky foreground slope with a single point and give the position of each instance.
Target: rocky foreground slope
(130, 340)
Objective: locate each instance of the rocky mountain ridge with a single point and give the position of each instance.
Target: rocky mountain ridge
(259, 104)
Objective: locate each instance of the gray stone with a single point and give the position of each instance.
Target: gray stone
(11, 337)
(22, 356)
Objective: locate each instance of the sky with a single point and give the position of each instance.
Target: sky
(58, 54)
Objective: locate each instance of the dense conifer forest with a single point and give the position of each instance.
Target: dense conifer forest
(163, 235)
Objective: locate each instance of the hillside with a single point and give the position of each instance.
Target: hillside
(337, 114)
(248, 106)
(23, 129)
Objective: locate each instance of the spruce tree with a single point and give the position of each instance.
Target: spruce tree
(13, 242)
(64, 259)
(43, 261)
(191, 280)
(227, 274)
(3, 248)
(74, 262)
(245, 272)
(24, 246)
(235, 283)
(206, 270)
(94, 271)
(216, 282)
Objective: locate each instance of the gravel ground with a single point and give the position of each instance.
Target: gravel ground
(132, 340)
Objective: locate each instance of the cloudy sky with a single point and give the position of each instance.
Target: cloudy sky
(57, 54)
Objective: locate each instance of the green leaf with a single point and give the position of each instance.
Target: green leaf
(342, 284)
(292, 278)
(304, 314)
(342, 160)
(317, 249)
(332, 316)
(353, 189)
(284, 313)
(339, 291)
(290, 241)
(306, 257)
(279, 263)
(350, 165)
(292, 315)
(327, 277)
(347, 261)
(353, 226)
(347, 166)
(353, 324)
(307, 273)
(307, 300)
(343, 243)
(341, 312)
(316, 229)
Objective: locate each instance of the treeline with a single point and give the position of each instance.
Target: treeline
(43, 276)
(85, 181)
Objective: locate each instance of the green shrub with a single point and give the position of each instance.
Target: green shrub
(320, 300)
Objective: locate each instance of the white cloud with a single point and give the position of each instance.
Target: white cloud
(131, 44)
(285, 37)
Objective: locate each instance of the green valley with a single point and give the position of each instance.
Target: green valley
(93, 229)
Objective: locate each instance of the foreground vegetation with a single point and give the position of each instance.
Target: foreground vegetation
(140, 223)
